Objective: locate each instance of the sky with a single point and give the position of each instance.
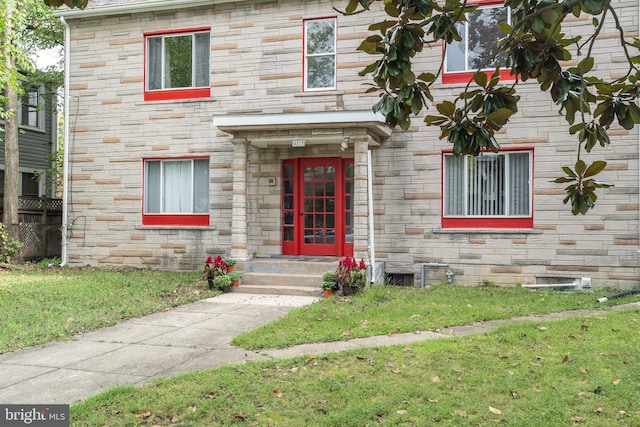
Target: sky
(48, 57)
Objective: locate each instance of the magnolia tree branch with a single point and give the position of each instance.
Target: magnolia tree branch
(535, 48)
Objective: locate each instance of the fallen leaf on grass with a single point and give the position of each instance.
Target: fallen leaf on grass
(616, 382)
(144, 415)
(495, 410)
(401, 412)
(192, 408)
(583, 370)
(576, 418)
(433, 400)
(239, 415)
(347, 332)
(461, 412)
(565, 359)
(598, 410)
(277, 393)
(542, 328)
(436, 379)
(309, 359)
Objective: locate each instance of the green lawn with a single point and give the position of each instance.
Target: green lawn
(384, 310)
(578, 371)
(41, 305)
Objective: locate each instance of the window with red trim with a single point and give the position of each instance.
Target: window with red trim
(478, 48)
(177, 65)
(320, 54)
(488, 191)
(176, 192)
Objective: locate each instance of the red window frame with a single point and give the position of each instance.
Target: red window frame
(173, 94)
(456, 77)
(489, 222)
(169, 220)
(304, 54)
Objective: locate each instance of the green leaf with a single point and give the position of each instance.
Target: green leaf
(581, 166)
(563, 179)
(505, 28)
(446, 108)
(586, 64)
(435, 120)
(500, 117)
(595, 168)
(575, 128)
(352, 6)
(480, 77)
(593, 7)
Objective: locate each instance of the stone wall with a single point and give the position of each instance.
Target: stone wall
(256, 52)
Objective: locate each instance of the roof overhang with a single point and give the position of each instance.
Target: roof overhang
(330, 127)
(140, 7)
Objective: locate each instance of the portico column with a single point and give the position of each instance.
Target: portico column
(360, 202)
(239, 230)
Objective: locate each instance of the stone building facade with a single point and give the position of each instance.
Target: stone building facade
(287, 153)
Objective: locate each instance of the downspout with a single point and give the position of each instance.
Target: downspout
(372, 246)
(67, 142)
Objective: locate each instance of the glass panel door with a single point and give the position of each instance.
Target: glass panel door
(317, 206)
(318, 209)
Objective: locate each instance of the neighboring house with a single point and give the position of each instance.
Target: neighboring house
(242, 128)
(37, 139)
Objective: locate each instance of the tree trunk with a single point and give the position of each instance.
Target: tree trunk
(11, 153)
(11, 165)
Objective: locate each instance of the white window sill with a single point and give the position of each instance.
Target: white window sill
(319, 93)
(486, 231)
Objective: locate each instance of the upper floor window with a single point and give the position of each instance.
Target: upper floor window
(28, 184)
(32, 113)
(488, 191)
(176, 192)
(478, 48)
(177, 65)
(320, 54)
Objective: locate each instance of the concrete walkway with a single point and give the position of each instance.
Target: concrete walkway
(187, 339)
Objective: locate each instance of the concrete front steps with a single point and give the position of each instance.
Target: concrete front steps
(300, 276)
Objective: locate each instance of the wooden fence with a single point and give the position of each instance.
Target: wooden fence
(40, 223)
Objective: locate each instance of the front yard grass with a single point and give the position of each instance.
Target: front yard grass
(387, 310)
(41, 305)
(577, 371)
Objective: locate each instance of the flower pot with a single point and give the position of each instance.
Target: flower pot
(226, 289)
(327, 293)
(348, 290)
(229, 268)
(235, 283)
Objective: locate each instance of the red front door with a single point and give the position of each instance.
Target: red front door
(317, 207)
